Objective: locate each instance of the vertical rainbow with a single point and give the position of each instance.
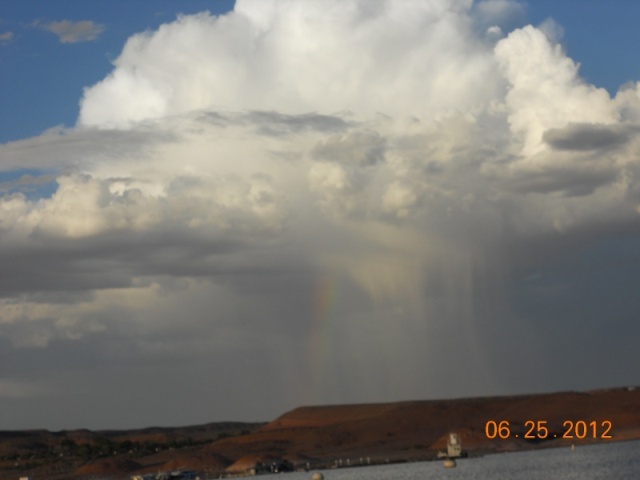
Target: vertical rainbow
(324, 300)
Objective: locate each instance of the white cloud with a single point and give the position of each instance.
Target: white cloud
(338, 57)
(545, 89)
(69, 31)
(400, 199)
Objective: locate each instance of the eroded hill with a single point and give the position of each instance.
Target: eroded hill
(332, 435)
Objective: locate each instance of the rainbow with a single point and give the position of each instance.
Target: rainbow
(324, 303)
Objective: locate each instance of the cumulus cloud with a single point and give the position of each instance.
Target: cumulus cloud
(545, 90)
(69, 31)
(298, 53)
(496, 16)
(324, 195)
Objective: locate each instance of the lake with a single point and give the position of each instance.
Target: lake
(610, 461)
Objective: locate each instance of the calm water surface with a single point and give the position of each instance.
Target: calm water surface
(611, 461)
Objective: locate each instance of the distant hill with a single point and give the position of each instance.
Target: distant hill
(75, 453)
(338, 435)
(418, 429)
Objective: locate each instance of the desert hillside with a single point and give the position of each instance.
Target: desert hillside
(418, 429)
(326, 436)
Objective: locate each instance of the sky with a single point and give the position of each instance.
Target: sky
(217, 210)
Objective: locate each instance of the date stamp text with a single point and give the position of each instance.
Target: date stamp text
(540, 430)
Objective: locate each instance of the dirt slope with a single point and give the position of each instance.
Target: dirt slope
(324, 435)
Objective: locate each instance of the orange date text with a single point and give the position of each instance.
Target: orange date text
(540, 430)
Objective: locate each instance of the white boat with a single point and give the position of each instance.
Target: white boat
(454, 447)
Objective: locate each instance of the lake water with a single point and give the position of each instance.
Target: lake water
(610, 461)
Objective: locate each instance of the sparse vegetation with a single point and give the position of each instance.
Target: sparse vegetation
(62, 452)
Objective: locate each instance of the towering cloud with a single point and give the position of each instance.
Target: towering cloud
(396, 58)
(333, 201)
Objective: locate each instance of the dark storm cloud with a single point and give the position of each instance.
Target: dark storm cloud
(112, 260)
(274, 123)
(65, 150)
(581, 137)
(567, 181)
(360, 148)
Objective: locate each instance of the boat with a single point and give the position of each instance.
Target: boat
(454, 448)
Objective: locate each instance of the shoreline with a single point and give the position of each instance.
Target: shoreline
(329, 437)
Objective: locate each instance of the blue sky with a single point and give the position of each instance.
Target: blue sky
(597, 34)
(312, 202)
(42, 78)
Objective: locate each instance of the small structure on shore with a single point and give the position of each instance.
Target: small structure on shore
(454, 448)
